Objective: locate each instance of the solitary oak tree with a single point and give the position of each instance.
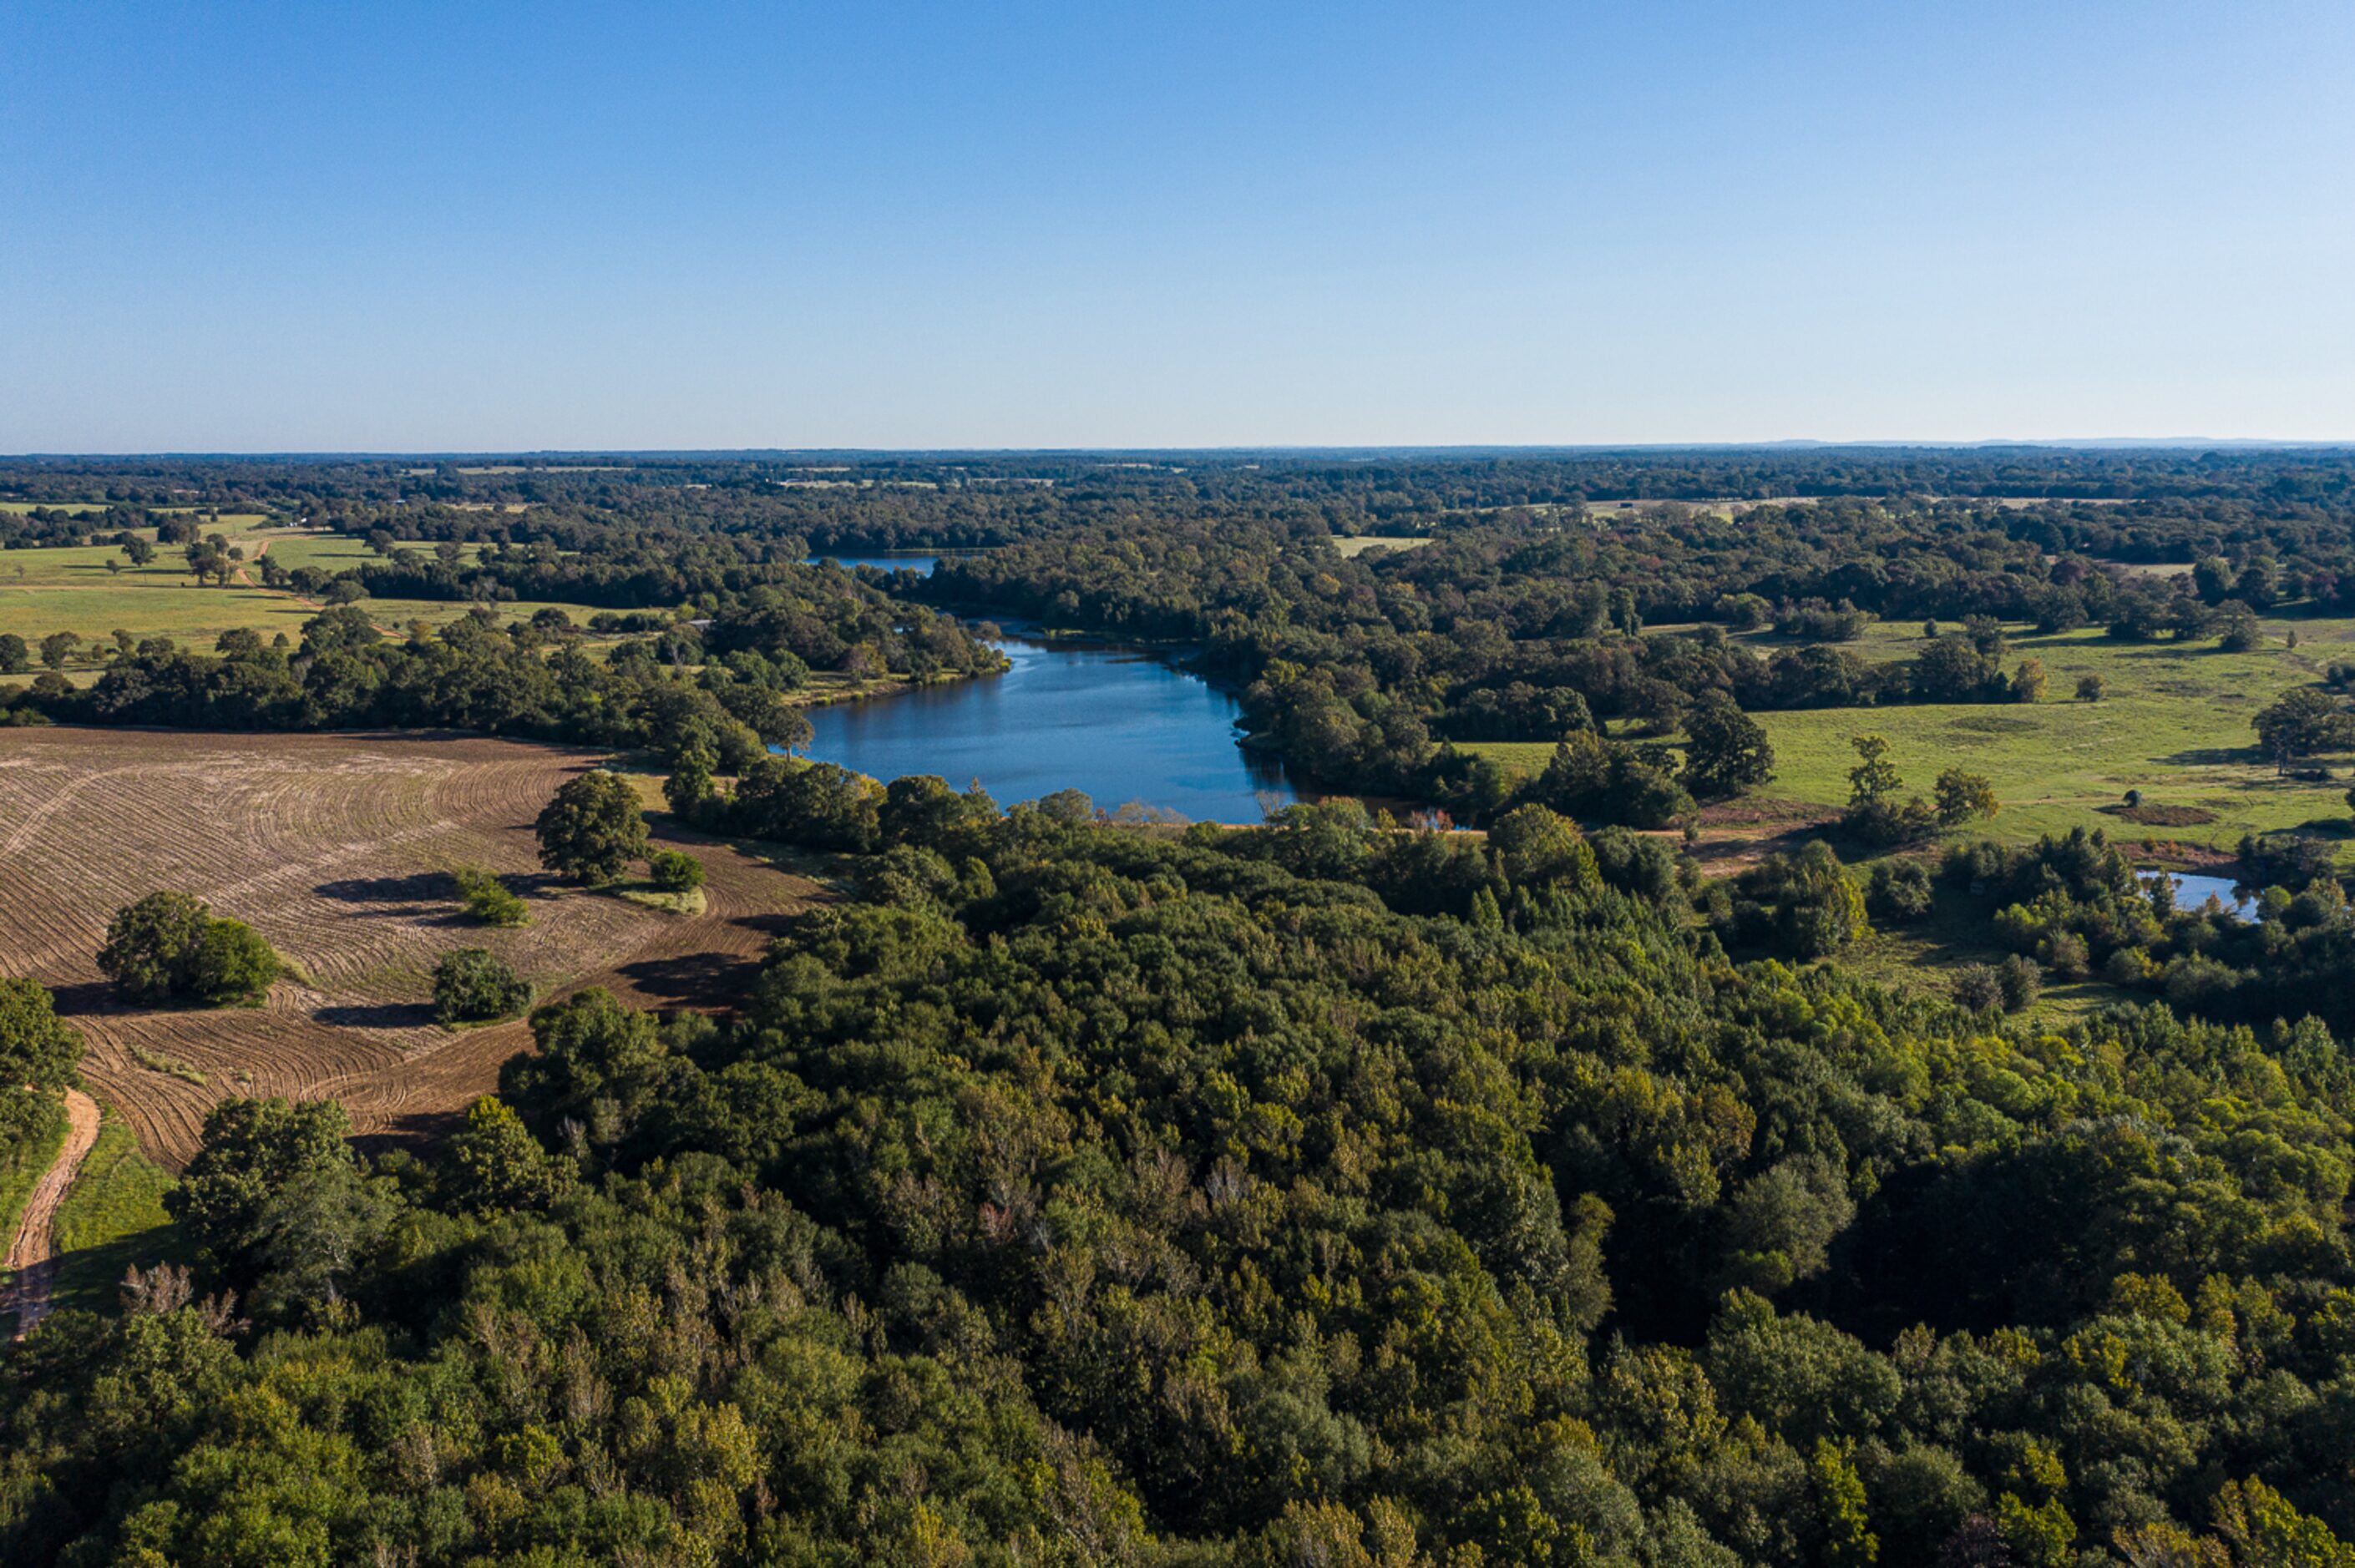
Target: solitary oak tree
(592, 830)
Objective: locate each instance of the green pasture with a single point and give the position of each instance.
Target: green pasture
(1359, 544)
(73, 589)
(2175, 724)
(112, 1217)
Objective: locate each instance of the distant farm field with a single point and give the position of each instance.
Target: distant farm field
(2174, 723)
(1359, 544)
(75, 590)
(338, 848)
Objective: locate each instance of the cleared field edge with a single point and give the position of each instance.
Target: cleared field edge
(20, 1174)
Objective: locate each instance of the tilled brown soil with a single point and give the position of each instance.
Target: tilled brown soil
(338, 848)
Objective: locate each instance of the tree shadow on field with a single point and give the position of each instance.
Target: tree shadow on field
(2212, 757)
(409, 1129)
(770, 925)
(88, 997)
(378, 1015)
(704, 981)
(424, 887)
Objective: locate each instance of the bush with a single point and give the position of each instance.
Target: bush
(2067, 955)
(675, 871)
(168, 947)
(2127, 966)
(472, 984)
(488, 899)
(232, 964)
(1900, 889)
(2019, 979)
(2091, 688)
(2286, 860)
(1808, 904)
(1977, 988)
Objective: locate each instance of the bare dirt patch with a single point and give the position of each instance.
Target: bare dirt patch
(338, 848)
(2162, 816)
(32, 1255)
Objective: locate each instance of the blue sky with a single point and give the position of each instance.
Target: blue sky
(427, 226)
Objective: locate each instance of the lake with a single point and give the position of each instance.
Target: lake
(1117, 723)
(902, 562)
(2192, 892)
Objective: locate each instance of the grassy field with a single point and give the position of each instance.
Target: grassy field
(1360, 543)
(2175, 725)
(73, 589)
(17, 1175)
(112, 1217)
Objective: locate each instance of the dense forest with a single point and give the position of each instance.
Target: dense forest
(1311, 1195)
(1320, 1193)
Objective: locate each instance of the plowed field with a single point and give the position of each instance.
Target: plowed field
(338, 848)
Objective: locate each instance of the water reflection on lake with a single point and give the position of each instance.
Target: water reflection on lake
(921, 565)
(2193, 891)
(1117, 723)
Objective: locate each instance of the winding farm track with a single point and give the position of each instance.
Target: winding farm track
(32, 1253)
(338, 848)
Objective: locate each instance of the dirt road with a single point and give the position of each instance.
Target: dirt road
(31, 1255)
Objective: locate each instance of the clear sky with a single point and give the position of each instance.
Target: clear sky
(475, 227)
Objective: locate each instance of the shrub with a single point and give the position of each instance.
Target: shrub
(2091, 688)
(2127, 966)
(1807, 903)
(2019, 979)
(488, 899)
(2285, 859)
(1978, 987)
(1900, 889)
(232, 964)
(675, 871)
(470, 984)
(2067, 955)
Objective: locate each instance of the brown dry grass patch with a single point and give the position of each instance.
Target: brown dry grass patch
(336, 848)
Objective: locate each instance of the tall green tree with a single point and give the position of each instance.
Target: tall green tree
(592, 830)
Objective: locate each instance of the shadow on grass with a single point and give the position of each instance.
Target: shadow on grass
(2213, 757)
(92, 1278)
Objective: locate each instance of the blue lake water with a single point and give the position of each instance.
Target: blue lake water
(2192, 892)
(904, 562)
(1117, 723)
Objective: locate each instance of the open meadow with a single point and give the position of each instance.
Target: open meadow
(338, 849)
(93, 590)
(2173, 722)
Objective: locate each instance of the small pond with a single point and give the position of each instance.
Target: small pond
(902, 561)
(2193, 891)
